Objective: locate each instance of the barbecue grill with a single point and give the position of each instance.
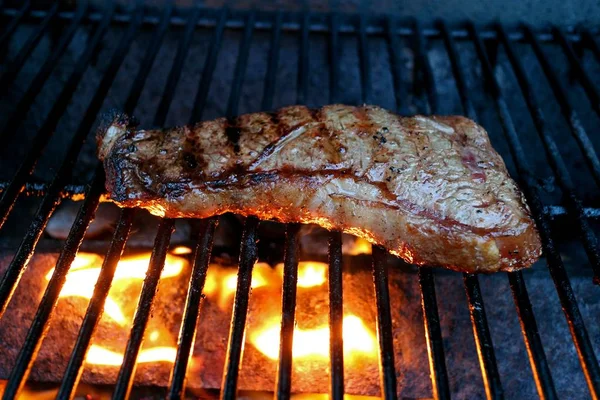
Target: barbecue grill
(546, 67)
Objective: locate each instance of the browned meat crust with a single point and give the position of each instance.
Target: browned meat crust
(431, 190)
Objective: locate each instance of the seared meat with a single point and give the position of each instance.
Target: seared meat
(431, 190)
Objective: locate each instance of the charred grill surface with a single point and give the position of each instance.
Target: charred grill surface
(429, 189)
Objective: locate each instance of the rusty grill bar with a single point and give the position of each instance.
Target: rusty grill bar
(303, 26)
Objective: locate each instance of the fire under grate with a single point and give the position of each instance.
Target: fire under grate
(422, 92)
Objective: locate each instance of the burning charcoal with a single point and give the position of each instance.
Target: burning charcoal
(61, 221)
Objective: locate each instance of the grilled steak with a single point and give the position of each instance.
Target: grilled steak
(431, 190)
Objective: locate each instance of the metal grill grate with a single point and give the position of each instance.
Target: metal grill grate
(302, 26)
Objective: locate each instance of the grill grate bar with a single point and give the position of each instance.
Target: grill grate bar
(50, 201)
(535, 350)
(288, 312)
(15, 66)
(581, 73)
(10, 195)
(380, 268)
(149, 58)
(481, 331)
(208, 70)
(336, 311)
(38, 82)
(175, 72)
(433, 333)
(589, 39)
(541, 371)
(365, 65)
(13, 24)
(240, 68)
(40, 324)
(235, 346)
(96, 305)
(187, 332)
(303, 61)
(273, 57)
(248, 249)
(384, 324)
(483, 339)
(557, 271)
(557, 163)
(560, 92)
(143, 310)
(336, 316)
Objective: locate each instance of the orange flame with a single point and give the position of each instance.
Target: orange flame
(357, 247)
(358, 339)
(85, 269)
(99, 355)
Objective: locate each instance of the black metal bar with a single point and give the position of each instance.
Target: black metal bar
(240, 67)
(303, 61)
(433, 335)
(271, 74)
(289, 26)
(38, 81)
(365, 64)
(40, 324)
(175, 72)
(50, 201)
(9, 196)
(235, 346)
(531, 336)
(461, 83)
(396, 67)
(27, 247)
(209, 67)
(433, 332)
(336, 316)
(334, 60)
(288, 312)
(13, 24)
(591, 41)
(581, 74)
(560, 93)
(483, 339)
(535, 350)
(557, 163)
(16, 64)
(96, 306)
(94, 311)
(144, 309)
(149, 58)
(567, 298)
(187, 332)
(424, 69)
(384, 324)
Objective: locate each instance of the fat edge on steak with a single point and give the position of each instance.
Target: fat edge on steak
(431, 190)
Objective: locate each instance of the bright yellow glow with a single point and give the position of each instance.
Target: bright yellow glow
(153, 336)
(358, 339)
(359, 246)
(85, 269)
(181, 250)
(99, 355)
(222, 282)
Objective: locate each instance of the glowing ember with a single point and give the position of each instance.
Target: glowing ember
(222, 282)
(357, 247)
(99, 355)
(310, 273)
(315, 342)
(181, 250)
(85, 270)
